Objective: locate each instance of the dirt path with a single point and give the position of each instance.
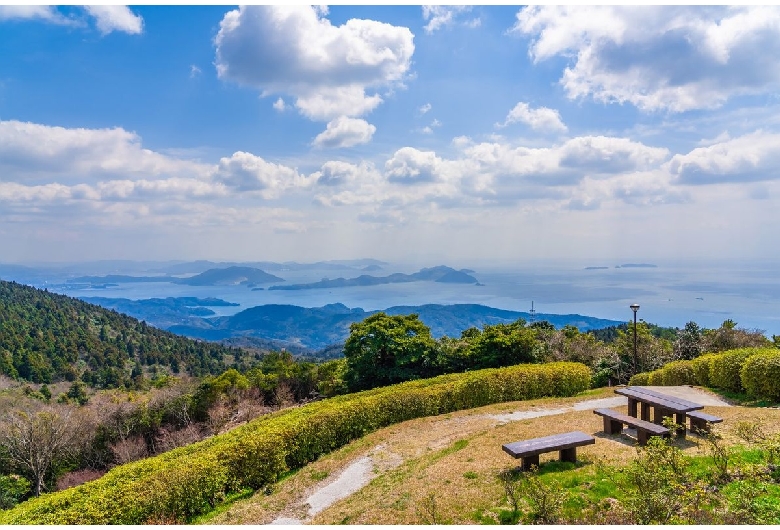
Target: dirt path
(364, 469)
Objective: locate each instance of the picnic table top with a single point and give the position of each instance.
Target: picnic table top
(659, 399)
(548, 443)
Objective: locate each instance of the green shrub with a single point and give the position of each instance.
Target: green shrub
(725, 368)
(760, 375)
(701, 369)
(641, 379)
(655, 378)
(678, 373)
(187, 481)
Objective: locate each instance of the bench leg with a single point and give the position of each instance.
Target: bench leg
(641, 437)
(697, 424)
(569, 455)
(645, 411)
(611, 426)
(632, 407)
(529, 461)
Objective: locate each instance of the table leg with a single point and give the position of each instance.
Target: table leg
(632, 407)
(680, 421)
(645, 407)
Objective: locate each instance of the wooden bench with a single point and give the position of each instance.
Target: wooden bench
(702, 420)
(614, 420)
(566, 443)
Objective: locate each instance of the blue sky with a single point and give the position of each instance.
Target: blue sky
(407, 133)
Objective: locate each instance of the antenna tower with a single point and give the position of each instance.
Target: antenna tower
(532, 318)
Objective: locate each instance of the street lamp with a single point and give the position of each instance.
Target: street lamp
(635, 308)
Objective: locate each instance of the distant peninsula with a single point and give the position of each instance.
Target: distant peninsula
(440, 274)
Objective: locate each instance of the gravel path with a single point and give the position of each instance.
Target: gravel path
(361, 472)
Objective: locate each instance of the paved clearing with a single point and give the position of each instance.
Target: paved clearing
(361, 471)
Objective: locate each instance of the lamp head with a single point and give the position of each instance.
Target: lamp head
(634, 307)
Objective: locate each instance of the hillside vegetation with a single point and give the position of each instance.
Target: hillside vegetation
(46, 337)
(185, 482)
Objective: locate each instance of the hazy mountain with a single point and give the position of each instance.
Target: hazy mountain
(440, 274)
(322, 326)
(231, 276)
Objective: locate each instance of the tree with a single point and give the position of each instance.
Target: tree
(36, 440)
(383, 349)
(506, 345)
(688, 344)
(651, 352)
(730, 337)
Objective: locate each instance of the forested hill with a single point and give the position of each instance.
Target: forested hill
(47, 337)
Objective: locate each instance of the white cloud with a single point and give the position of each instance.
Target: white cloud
(541, 119)
(194, 71)
(110, 18)
(295, 50)
(659, 58)
(425, 108)
(749, 158)
(410, 165)
(248, 172)
(345, 132)
(30, 151)
(23, 12)
(280, 105)
(439, 17)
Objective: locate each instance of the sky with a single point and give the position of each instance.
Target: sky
(404, 133)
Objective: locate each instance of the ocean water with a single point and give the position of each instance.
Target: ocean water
(669, 294)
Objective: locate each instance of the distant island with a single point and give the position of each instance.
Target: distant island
(636, 266)
(595, 268)
(440, 274)
(249, 276)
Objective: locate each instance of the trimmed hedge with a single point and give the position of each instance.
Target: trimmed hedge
(678, 373)
(191, 480)
(725, 367)
(701, 369)
(761, 375)
(640, 379)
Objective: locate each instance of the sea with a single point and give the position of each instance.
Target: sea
(668, 293)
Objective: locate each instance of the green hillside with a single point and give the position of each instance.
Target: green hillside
(46, 337)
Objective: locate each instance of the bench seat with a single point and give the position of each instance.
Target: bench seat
(614, 421)
(702, 421)
(565, 443)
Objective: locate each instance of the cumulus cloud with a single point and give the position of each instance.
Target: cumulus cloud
(280, 105)
(247, 172)
(541, 119)
(425, 108)
(345, 132)
(295, 50)
(659, 58)
(410, 165)
(439, 17)
(749, 158)
(110, 18)
(29, 151)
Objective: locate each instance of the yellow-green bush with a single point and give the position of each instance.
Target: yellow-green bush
(760, 375)
(640, 379)
(655, 378)
(190, 480)
(725, 368)
(678, 373)
(701, 369)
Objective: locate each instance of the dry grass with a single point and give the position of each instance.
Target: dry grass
(455, 458)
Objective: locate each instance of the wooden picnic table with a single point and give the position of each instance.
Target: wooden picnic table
(663, 405)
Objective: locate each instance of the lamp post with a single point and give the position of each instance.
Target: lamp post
(635, 308)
